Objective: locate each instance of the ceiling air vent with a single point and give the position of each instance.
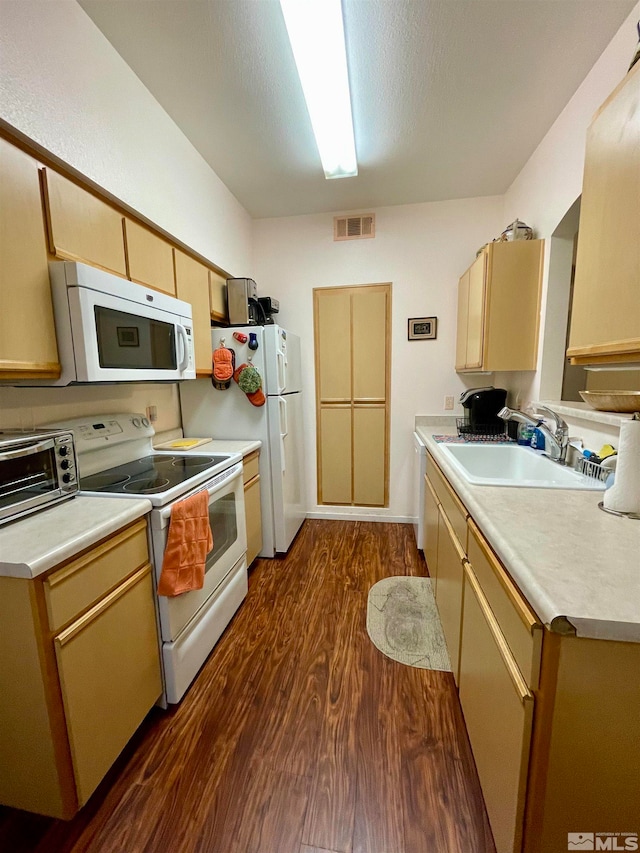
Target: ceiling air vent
(354, 227)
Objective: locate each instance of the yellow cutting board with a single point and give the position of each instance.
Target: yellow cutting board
(182, 443)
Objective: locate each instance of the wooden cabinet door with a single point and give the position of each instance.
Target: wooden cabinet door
(333, 345)
(28, 346)
(431, 516)
(369, 449)
(149, 258)
(463, 319)
(498, 713)
(449, 587)
(81, 226)
(369, 345)
(108, 662)
(476, 312)
(218, 297)
(334, 450)
(253, 518)
(352, 329)
(605, 318)
(192, 285)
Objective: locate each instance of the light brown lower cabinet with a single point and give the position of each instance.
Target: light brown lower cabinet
(498, 712)
(553, 719)
(431, 516)
(449, 587)
(252, 511)
(79, 670)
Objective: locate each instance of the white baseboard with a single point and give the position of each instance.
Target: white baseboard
(332, 515)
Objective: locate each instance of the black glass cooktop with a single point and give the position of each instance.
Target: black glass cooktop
(149, 475)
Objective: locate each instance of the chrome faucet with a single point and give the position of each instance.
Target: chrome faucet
(557, 438)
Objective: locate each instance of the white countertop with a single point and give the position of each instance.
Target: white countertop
(569, 559)
(223, 445)
(40, 541)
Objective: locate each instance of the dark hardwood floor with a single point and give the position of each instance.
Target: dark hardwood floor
(298, 736)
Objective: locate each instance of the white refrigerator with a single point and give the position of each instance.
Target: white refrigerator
(278, 424)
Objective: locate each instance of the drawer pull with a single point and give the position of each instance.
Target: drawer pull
(516, 676)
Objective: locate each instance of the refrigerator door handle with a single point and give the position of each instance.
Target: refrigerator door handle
(284, 430)
(282, 371)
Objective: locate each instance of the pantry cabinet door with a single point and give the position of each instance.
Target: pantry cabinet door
(605, 318)
(81, 226)
(28, 346)
(150, 258)
(192, 285)
(369, 345)
(369, 455)
(333, 344)
(334, 451)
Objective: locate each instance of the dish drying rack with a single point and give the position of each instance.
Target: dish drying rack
(481, 432)
(592, 469)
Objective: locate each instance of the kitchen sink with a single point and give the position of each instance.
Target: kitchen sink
(514, 465)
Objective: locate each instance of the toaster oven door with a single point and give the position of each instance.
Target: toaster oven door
(30, 478)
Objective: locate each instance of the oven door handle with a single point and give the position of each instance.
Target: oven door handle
(226, 477)
(29, 450)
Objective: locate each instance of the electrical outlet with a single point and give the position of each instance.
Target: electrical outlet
(152, 413)
(448, 404)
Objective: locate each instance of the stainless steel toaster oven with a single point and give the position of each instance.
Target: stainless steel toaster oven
(36, 470)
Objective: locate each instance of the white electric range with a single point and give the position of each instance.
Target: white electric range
(116, 458)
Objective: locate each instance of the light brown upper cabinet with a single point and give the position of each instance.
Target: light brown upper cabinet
(28, 347)
(218, 296)
(605, 319)
(192, 285)
(352, 344)
(82, 227)
(499, 308)
(149, 258)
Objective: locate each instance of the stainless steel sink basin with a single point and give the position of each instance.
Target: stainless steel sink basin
(514, 465)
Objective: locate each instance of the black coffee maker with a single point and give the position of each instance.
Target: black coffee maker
(481, 407)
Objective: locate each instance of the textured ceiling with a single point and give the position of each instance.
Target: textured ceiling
(450, 97)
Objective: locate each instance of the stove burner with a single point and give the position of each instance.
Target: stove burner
(192, 464)
(103, 481)
(146, 485)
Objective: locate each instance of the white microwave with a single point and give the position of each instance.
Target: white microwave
(112, 330)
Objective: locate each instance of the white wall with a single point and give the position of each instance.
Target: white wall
(422, 249)
(551, 181)
(64, 86)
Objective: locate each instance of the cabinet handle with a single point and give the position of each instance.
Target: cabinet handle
(505, 652)
(454, 537)
(81, 623)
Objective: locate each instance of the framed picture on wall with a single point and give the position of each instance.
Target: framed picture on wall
(422, 328)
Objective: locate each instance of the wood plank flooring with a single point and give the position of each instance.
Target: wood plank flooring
(298, 736)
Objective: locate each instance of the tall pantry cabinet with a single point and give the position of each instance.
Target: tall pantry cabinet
(352, 345)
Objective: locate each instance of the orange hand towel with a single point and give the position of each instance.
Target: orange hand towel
(188, 543)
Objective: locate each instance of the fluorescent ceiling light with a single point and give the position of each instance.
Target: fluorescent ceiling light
(316, 33)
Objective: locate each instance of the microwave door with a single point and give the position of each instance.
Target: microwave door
(116, 340)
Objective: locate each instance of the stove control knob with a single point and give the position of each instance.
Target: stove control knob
(136, 422)
(66, 463)
(68, 478)
(145, 422)
(63, 450)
